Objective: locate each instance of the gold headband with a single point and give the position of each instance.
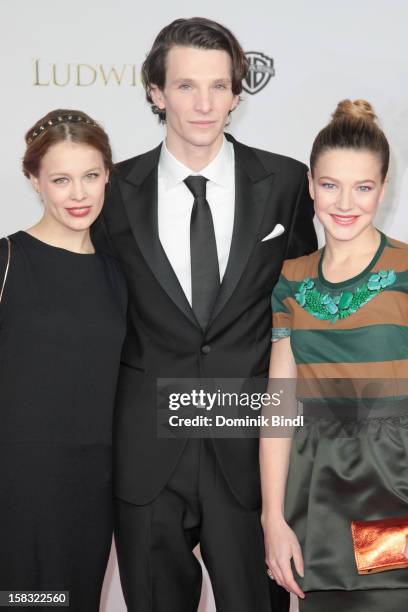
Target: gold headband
(60, 119)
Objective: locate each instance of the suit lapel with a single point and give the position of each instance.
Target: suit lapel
(139, 193)
(252, 187)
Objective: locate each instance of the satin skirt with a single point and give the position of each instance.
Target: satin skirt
(343, 470)
(355, 601)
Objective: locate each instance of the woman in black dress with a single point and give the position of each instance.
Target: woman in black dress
(62, 324)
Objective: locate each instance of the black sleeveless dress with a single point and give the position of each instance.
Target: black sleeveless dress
(62, 324)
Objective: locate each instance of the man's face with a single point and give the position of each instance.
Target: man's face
(197, 95)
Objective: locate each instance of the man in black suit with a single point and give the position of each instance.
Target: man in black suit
(202, 225)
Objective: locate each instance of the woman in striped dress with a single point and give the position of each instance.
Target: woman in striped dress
(341, 313)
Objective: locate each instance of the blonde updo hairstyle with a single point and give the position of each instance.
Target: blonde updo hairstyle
(353, 126)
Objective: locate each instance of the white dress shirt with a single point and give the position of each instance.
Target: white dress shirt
(175, 203)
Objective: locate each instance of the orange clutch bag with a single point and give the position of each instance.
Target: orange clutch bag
(380, 545)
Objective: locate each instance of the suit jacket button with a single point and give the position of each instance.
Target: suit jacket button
(205, 349)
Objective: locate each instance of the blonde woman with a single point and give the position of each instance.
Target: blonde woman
(340, 313)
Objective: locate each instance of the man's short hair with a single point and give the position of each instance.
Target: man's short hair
(196, 32)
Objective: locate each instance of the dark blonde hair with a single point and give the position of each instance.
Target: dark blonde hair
(196, 32)
(353, 126)
(64, 125)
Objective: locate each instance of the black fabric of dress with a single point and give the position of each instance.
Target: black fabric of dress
(62, 324)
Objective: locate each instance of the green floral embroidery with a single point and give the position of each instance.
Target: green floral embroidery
(334, 307)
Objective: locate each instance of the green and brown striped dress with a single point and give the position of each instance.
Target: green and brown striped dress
(354, 468)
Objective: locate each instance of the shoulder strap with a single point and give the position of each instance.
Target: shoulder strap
(7, 267)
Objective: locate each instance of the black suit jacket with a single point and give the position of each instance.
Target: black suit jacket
(164, 338)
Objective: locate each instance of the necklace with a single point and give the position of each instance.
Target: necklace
(328, 307)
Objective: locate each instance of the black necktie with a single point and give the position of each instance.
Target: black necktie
(205, 275)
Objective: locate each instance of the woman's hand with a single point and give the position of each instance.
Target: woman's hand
(281, 545)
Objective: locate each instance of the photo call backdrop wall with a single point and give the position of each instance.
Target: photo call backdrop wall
(305, 57)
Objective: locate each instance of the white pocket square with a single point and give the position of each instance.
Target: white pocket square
(277, 231)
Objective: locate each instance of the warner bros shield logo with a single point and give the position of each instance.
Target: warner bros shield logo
(260, 72)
